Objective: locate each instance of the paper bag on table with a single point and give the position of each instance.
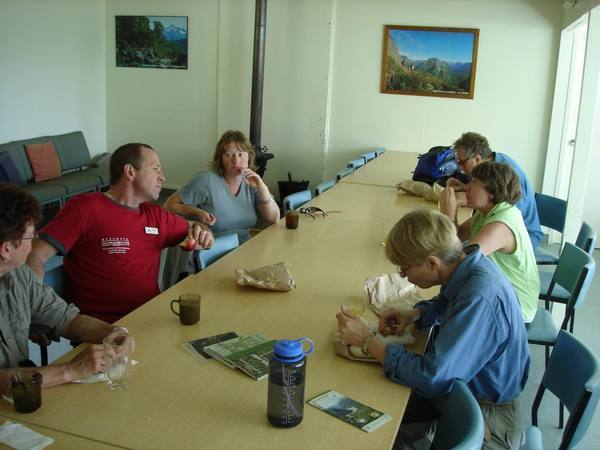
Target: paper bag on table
(420, 189)
(390, 290)
(275, 277)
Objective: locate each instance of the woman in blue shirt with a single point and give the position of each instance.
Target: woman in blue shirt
(227, 197)
(481, 340)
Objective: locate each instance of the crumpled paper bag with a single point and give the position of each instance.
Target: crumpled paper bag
(355, 353)
(390, 290)
(18, 436)
(275, 277)
(420, 189)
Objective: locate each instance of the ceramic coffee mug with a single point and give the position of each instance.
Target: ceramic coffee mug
(189, 308)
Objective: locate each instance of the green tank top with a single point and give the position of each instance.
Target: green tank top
(520, 266)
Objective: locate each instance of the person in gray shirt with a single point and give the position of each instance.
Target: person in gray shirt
(24, 299)
(230, 196)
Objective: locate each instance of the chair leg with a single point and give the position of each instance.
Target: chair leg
(44, 355)
(561, 415)
(547, 356)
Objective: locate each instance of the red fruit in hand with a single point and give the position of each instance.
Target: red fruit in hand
(189, 245)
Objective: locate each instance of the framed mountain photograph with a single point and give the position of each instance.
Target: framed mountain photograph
(437, 62)
(157, 42)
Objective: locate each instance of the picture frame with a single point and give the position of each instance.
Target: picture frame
(429, 61)
(156, 42)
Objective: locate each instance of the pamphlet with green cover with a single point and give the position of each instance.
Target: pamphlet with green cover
(196, 346)
(251, 354)
(350, 411)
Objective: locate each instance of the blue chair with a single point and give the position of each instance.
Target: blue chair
(552, 213)
(54, 276)
(572, 278)
(296, 200)
(356, 163)
(222, 246)
(379, 151)
(460, 425)
(368, 156)
(572, 376)
(343, 173)
(324, 186)
(586, 241)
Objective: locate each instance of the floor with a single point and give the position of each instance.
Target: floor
(586, 329)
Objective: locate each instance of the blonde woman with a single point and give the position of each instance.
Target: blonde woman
(481, 340)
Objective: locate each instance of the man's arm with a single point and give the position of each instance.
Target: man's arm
(41, 251)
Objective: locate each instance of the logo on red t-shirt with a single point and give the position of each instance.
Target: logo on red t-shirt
(115, 245)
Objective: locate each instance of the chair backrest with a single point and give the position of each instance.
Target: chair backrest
(552, 211)
(344, 173)
(586, 239)
(296, 200)
(461, 423)
(356, 163)
(368, 156)
(55, 276)
(379, 151)
(574, 272)
(325, 185)
(573, 376)
(222, 246)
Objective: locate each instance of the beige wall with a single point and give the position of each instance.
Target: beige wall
(514, 83)
(322, 104)
(52, 69)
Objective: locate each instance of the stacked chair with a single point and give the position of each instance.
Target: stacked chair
(221, 246)
(552, 213)
(296, 200)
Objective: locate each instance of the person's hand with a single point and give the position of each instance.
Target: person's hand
(395, 322)
(201, 236)
(206, 218)
(455, 184)
(87, 362)
(252, 178)
(353, 331)
(448, 203)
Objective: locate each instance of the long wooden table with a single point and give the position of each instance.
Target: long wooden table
(388, 169)
(175, 402)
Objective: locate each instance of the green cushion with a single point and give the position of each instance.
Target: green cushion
(76, 182)
(101, 173)
(72, 150)
(45, 192)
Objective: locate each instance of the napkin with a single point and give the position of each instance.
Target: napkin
(275, 277)
(390, 290)
(18, 436)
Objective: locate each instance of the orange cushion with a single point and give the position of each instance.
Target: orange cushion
(44, 161)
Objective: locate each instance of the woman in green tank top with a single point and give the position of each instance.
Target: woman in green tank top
(497, 226)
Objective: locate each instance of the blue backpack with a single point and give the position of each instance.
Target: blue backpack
(438, 164)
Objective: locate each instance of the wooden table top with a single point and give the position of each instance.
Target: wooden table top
(388, 169)
(174, 401)
(63, 441)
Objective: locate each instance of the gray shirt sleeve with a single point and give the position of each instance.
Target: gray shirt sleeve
(197, 191)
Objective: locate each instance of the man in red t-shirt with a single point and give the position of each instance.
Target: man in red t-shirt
(112, 240)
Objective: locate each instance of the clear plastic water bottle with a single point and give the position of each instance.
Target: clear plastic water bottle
(287, 376)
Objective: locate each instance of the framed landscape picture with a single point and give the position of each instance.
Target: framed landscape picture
(158, 42)
(438, 62)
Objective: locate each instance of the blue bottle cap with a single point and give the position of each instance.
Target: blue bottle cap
(290, 350)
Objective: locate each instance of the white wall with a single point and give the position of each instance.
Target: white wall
(52, 69)
(174, 111)
(516, 66)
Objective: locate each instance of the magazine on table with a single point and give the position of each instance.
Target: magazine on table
(196, 346)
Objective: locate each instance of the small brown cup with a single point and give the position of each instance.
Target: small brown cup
(291, 219)
(27, 391)
(189, 308)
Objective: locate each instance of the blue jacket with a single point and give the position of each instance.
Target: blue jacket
(527, 204)
(482, 338)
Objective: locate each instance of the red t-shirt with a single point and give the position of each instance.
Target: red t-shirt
(112, 252)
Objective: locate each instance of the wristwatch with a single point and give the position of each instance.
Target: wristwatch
(365, 347)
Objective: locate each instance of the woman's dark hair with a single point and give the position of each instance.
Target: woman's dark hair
(500, 180)
(18, 210)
